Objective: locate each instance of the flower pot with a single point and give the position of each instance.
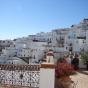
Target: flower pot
(65, 81)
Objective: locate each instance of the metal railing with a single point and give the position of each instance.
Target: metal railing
(20, 75)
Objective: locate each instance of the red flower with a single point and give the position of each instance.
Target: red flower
(64, 69)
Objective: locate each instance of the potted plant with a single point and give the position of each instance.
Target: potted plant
(84, 57)
(63, 71)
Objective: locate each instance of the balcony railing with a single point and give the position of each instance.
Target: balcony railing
(20, 75)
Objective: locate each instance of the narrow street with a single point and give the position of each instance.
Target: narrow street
(80, 80)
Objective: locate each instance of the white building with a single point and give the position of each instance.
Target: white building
(76, 38)
(61, 41)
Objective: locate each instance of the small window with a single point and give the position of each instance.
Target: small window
(66, 48)
(83, 41)
(3, 41)
(69, 37)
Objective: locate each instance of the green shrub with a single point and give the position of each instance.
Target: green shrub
(84, 57)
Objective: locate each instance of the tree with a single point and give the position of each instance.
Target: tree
(84, 57)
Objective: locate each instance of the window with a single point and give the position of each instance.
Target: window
(69, 37)
(3, 41)
(74, 35)
(70, 44)
(71, 49)
(66, 48)
(20, 50)
(34, 56)
(83, 41)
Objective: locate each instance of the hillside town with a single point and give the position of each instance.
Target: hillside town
(43, 44)
(23, 61)
(33, 48)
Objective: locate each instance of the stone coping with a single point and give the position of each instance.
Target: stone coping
(47, 65)
(13, 67)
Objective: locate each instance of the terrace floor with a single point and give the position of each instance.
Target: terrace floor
(80, 79)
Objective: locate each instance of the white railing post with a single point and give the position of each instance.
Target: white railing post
(47, 75)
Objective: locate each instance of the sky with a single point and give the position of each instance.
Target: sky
(20, 18)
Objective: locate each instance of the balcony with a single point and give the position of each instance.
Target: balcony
(80, 37)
